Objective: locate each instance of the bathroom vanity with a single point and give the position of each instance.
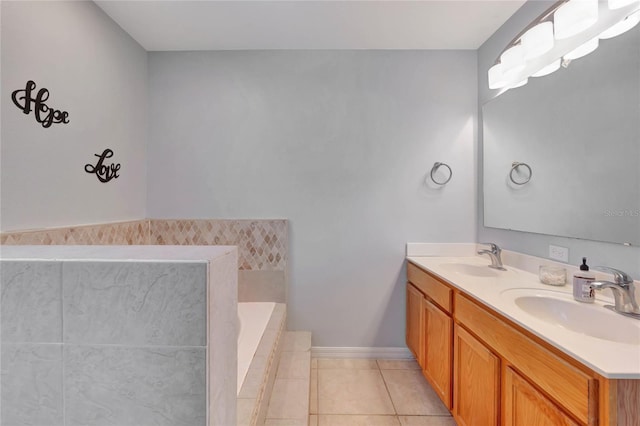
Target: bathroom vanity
(494, 355)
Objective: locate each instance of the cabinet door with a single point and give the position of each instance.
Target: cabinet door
(414, 322)
(476, 381)
(438, 346)
(525, 405)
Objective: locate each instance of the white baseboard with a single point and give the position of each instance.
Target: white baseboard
(361, 352)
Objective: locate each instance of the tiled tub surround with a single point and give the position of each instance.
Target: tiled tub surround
(262, 245)
(126, 335)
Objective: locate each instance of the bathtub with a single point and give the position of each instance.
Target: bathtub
(252, 318)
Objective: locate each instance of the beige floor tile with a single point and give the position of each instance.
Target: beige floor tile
(357, 420)
(411, 394)
(313, 392)
(289, 399)
(427, 421)
(355, 363)
(296, 341)
(398, 364)
(313, 420)
(352, 391)
(294, 365)
(314, 363)
(286, 422)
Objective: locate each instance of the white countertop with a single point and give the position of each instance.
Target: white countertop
(610, 359)
(115, 253)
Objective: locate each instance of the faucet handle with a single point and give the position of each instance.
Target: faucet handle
(494, 247)
(618, 276)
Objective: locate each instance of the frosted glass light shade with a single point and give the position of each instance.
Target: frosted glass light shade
(519, 84)
(574, 17)
(538, 40)
(622, 26)
(512, 61)
(617, 4)
(496, 77)
(552, 67)
(583, 50)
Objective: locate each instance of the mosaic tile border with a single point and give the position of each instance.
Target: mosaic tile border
(119, 233)
(262, 243)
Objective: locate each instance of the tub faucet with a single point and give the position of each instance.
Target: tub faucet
(494, 254)
(623, 290)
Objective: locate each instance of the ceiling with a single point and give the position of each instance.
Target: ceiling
(309, 24)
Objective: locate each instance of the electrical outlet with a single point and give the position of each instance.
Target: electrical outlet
(559, 253)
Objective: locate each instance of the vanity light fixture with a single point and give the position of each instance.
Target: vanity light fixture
(568, 30)
(617, 4)
(622, 26)
(573, 17)
(538, 40)
(582, 50)
(512, 61)
(519, 84)
(551, 68)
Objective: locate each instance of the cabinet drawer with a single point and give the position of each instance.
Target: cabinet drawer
(440, 293)
(570, 387)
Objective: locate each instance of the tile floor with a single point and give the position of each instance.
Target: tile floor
(365, 392)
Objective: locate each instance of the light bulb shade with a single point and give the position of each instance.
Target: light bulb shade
(519, 84)
(496, 77)
(574, 17)
(622, 26)
(617, 4)
(552, 67)
(512, 61)
(538, 40)
(583, 50)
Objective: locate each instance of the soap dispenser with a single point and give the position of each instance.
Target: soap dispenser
(582, 280)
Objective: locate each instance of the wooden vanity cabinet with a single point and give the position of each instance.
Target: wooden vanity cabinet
(476, 385)
(434, 325)
(414, 331)
(490, 371)
(525, 405)
(437, 351)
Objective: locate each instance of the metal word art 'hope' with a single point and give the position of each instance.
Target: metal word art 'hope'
(24, 99)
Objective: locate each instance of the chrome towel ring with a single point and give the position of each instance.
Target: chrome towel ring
(514, 166)
(435, 168)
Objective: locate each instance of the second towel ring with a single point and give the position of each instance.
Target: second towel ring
(514, 166)
(435, 168)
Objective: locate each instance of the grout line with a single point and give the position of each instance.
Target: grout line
(395, 410)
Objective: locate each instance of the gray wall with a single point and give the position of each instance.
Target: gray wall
(338, 142)
(97, 73)
(599, 253)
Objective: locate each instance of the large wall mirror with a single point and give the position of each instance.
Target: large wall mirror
(578, 130)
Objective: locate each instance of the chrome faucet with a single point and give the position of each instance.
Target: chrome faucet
(623, 290)
(494, 254)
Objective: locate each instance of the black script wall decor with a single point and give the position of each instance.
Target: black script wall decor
(25, 100)
(103, 171)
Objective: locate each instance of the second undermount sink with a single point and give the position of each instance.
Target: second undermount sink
(561, 310)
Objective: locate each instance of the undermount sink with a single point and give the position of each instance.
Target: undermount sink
(472, 270)
(561, 310)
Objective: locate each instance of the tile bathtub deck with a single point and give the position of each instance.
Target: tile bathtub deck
(365, 392)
